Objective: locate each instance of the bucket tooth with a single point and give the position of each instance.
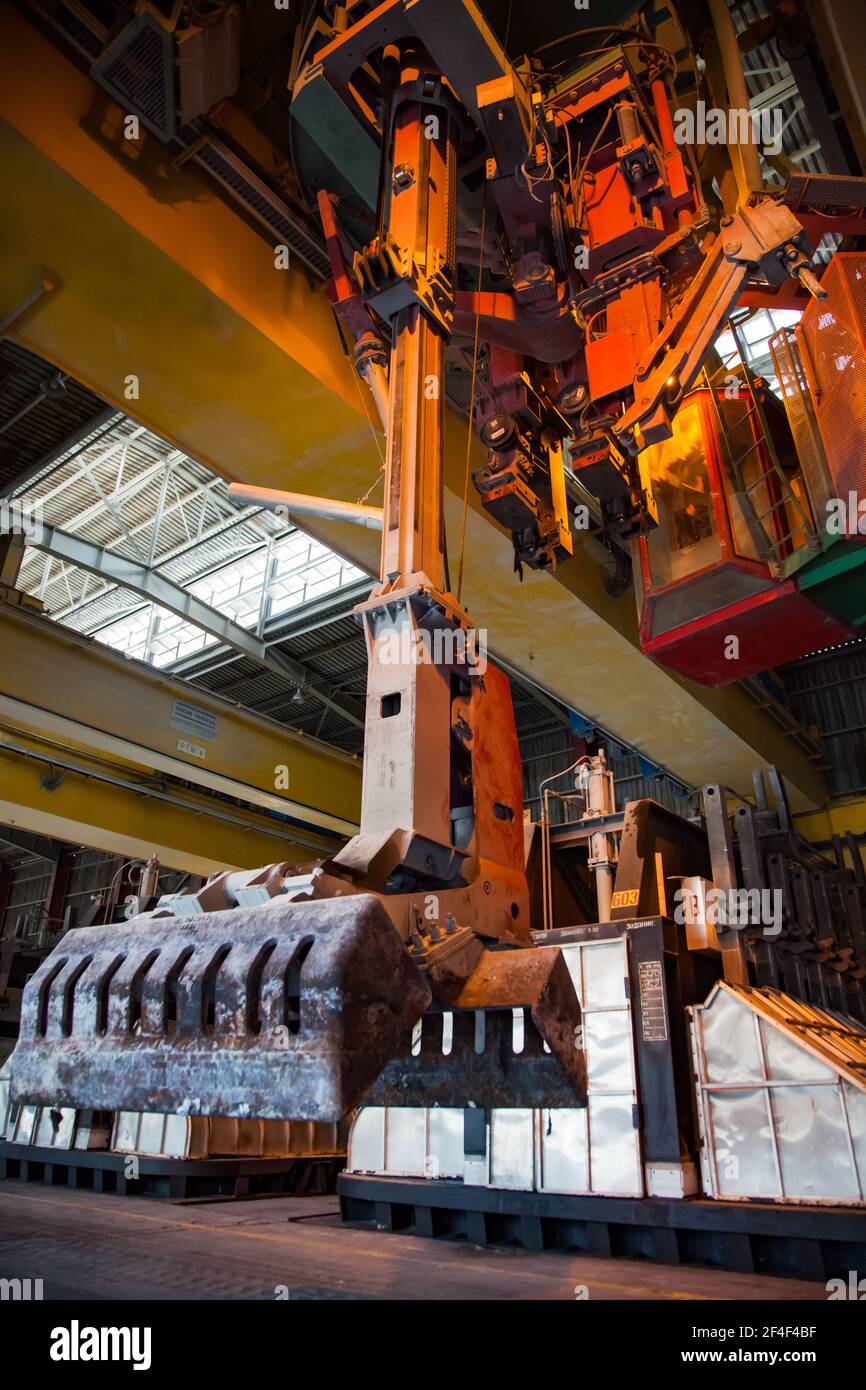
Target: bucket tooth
(481, 1067)
(284, 1011)
(538, 979)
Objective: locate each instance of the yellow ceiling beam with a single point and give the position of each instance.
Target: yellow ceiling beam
(240, 364)
(78, 693)
(85, 801)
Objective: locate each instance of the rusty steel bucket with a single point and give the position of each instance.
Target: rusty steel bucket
(285, 1011)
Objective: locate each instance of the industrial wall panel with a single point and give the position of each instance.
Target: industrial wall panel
(781, 1098)
(829, 691)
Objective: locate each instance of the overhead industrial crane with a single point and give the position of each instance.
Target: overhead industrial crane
(187, 269)
(389, 975)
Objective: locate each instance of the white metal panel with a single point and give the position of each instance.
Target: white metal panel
(563, 1151)
(609, 1051)
(444, 1144)
(743, 1151)
(22, 1124)
(367, 1141)
(597, 1149)
(41, 1126)
(6, 1105)
(788, 1062)
(164, 1136)
(604, 975)
(512, 1149)
(171, 1139)
(124, 1137)
(615, 1160)
(55, 1129)
(814, 1146)
(406, 1141)
(730, 1044)
(779, 1114)
(855, 1108)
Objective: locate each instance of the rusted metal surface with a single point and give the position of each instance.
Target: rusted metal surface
(731, 944)
(650, 829)
(480, 1066)
(537, 979)
(482, 1069)
(285, 1011)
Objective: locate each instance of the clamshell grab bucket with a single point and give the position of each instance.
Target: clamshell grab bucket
(285, 1011)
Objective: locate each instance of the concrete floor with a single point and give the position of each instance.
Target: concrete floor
(88, 1246)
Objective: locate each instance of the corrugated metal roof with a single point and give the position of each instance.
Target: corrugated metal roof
(40, 408)
(135, 495)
